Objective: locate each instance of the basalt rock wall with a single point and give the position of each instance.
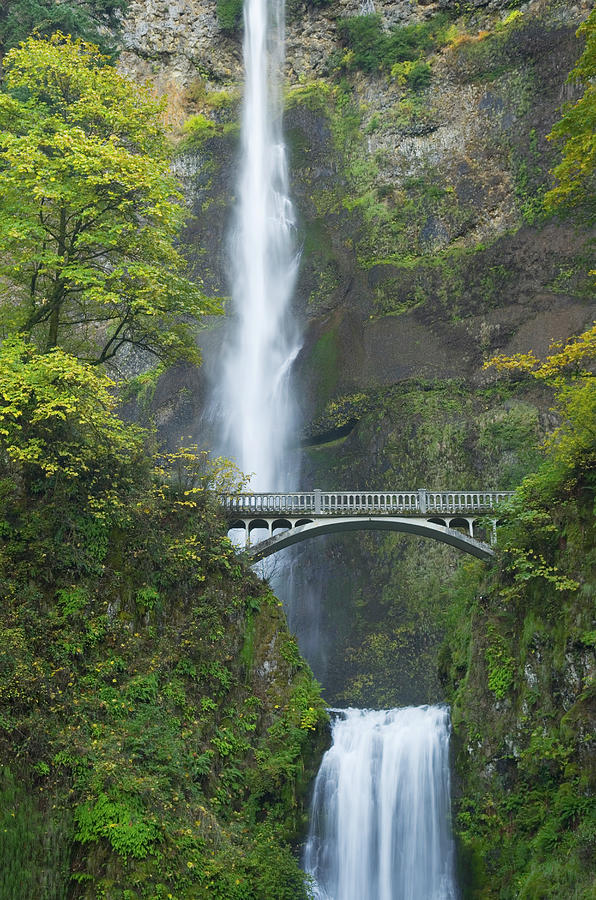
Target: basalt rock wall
(424, 252)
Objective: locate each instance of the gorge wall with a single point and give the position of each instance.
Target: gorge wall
(159, 726)
(425, 250)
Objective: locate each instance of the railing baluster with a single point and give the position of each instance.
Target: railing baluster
(362, 503)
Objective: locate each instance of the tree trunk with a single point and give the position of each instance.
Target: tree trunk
(58, 291)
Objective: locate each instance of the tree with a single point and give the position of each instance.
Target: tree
(95, 20)
(576, 132)
(61, 440)
(569, 366)
(90, 212)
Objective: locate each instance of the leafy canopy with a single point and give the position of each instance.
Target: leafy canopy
(576, 132)
(569, 366)
(95, 20)
(90, 213)
(58, 429)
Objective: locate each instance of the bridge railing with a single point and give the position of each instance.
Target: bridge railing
(289, 503)
(331, 503)
(465, 501)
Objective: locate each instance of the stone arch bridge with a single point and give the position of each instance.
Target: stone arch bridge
(288, 518)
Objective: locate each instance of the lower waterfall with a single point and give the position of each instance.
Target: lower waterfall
(380, 818)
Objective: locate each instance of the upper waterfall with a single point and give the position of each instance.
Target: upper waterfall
(256, 404)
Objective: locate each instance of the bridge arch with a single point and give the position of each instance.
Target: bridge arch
(254, 524)
(459, 522)
(446, 516)
(280, 523)
(421, 527)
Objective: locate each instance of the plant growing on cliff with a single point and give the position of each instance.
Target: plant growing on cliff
(90, 212)
(229, 15)
(575, 175)
(173, 765)
(371, 48)
(93, 20)
(569, 368)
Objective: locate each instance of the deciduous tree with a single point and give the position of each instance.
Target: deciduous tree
(89, 212)
(576, 133)
(96, 20)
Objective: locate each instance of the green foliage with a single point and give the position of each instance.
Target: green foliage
(119, 823)
(418, 76)
(89, 211)
(372, 49)
(576, 134)
(33, 850)
(526, 819)
(197, 129)
(229, 15)
(57, 420)
(314, 95)
(529, 181)
(488, 55)
(364, 37)
(142, 726)
(93, 20)
(501, 666)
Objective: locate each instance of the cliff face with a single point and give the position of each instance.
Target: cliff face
(419, 209)
(424, 251)
(159, 728)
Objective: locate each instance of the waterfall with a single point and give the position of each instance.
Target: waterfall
(256, 406)
(380, 816)
(379, 826)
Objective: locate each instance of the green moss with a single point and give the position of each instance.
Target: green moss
(34, 845)
(314, 95)
(492, 53)
(229, 15)
(531, 179)
(323, 359)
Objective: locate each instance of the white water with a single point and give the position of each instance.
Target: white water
(380, 818)
(257, 407)
(379, 825)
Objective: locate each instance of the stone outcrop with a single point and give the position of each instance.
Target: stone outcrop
(423, 253)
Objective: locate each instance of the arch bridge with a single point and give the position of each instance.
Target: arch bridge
(288, 518)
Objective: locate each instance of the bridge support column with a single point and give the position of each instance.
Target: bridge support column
(493, 532)
(318, 504)
(422, 500)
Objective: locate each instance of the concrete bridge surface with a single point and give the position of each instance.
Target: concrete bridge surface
(288, 518)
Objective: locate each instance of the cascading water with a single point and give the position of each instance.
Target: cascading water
(379, 825)
(379, 828)
(256, 405)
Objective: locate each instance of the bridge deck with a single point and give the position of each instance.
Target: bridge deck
(349, 503)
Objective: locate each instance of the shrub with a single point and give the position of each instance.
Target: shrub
(364, 37)
(229, 14)
(372, 49)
